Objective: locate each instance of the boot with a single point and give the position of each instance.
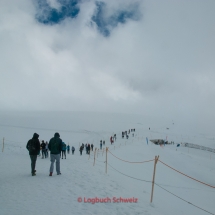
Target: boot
(50, 174)
(33, 174)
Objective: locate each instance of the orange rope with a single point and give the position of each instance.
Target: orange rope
(130, 161)
(187, 175)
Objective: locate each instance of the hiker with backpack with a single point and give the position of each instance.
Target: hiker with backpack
(55, 146)
(63, 150)
(33, 146)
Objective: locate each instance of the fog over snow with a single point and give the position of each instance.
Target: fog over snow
(154, 58)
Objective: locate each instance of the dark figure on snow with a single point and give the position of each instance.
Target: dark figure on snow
(111, 140)
(33, 146)
(63, 150)
(81, 149)
(43, 146)
(73, 150)
(101, 144)
(88, 149)
(92, 147)
(114, 137)
(68, 148)
(55, 146)
(47, 150)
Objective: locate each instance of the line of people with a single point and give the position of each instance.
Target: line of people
(87, 146)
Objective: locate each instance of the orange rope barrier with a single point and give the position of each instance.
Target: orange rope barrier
(130, 161)
(187, 175)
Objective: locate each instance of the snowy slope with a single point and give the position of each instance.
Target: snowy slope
(23, 194)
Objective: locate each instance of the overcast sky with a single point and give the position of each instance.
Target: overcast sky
(148, 57)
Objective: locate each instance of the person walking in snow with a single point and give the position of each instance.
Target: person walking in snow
(111, 140)
(33, 146)
(101, 144)
(81, 149)
(92, 147)
(47, 150)
(68, 148)
(55, 146)
(43, 146)
(73, 150)
(63, 150)
(88, 149)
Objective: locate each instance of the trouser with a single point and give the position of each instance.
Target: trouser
(33, 162)
(43, 153)
(80, 152)
(47, 153)
(68, 151)
(73, 152)
(64, 153)
(54, 157)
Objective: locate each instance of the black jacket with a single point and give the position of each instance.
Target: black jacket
(37, 144)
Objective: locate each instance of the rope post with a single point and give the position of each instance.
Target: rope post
(3, 145)
(106, 160)
(153, 179)
(94, 157)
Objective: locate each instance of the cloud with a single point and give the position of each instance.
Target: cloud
(158, 58)
(106, 18)
(51, 12)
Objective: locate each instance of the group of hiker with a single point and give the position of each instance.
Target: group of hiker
(45, 150)
(126, 133)
(87, 147)
(56, 146)
(58, 150)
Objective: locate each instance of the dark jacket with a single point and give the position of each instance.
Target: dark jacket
(43, 145)
(36, 144)
(55, 144)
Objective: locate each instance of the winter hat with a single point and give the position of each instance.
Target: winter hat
(35, 135)
(57, 134)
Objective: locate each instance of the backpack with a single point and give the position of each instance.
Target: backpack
(31, 146)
